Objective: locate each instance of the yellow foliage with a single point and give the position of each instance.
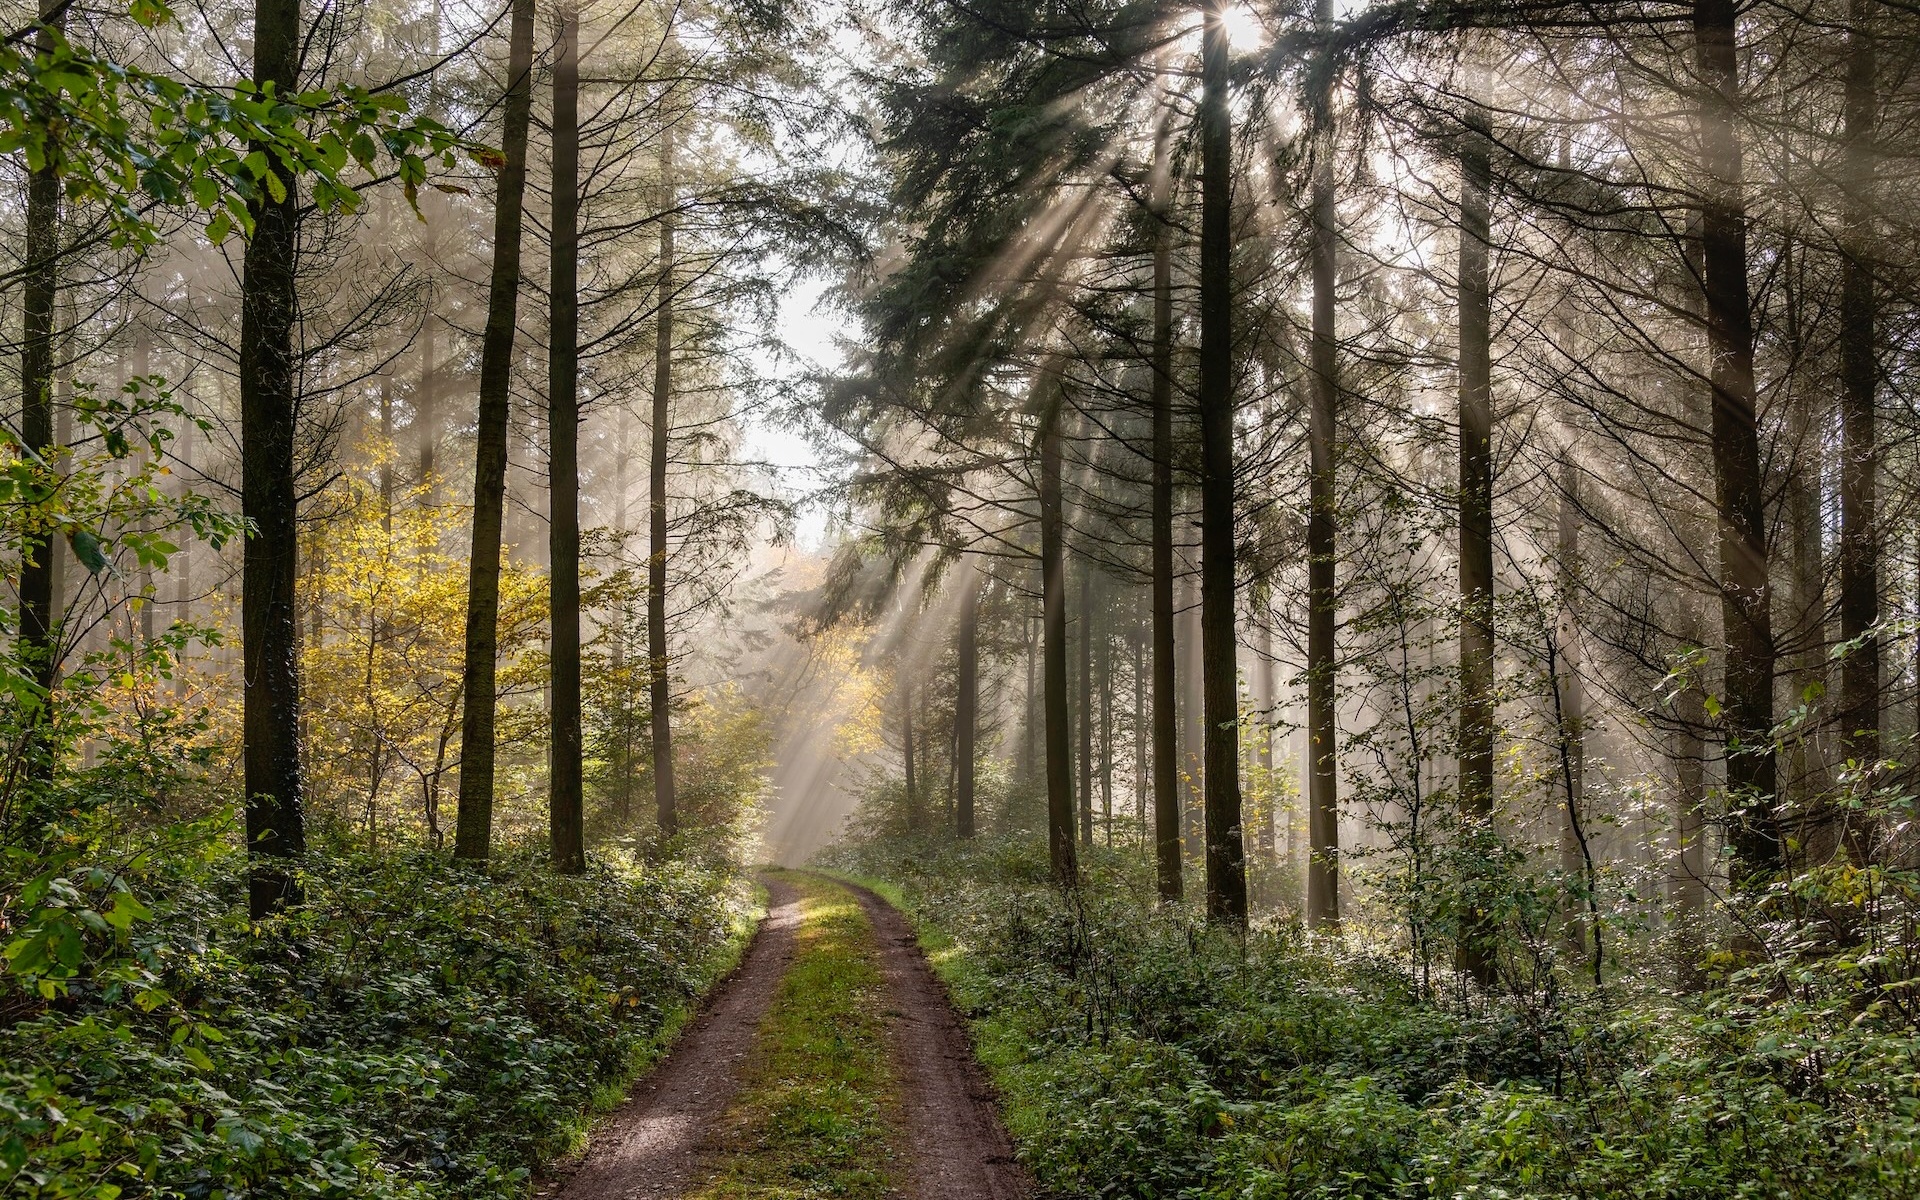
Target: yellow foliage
(382, 662)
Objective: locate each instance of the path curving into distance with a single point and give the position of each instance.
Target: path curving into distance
(688, 1130)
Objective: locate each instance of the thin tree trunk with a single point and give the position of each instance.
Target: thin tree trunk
(1029, 725)
(1226, 850)
(1083, 644)
(40, 291)
(1688, 887)
(1859, 380)
(906, 739)
(1323, 795)
(1265, 699)
(1166, 727)
(621, 749)
(1142, 765)
(143, 367)
(276, 830)
(1574, 850)
(1193, 722)
(1745, 584)
(1053, 571)
(565, 799)
(966, 706)
(426, 407)
(1103, 687)
(473, 832)
(1476, 520)
(659, 659)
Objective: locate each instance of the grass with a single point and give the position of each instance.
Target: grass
(811, 1117)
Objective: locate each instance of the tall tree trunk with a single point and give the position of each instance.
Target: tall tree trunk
(1476, 519)
(1576, 854)
(1266, 697)
(1745, 584)
(386, 456)
(276, 831)
(1226, 850)
(621, 750)
(906, 742)
(1323, 794)
(426, 407)
(1103, 688)
(40, 290)
(1193, 722)
(1083, 644)
(659, 660)
(1053, 573)
(1688, 883)
(565, 799)
(1030, 721)
(1859, 448)
(473, 831)
(1142, 756)
(967, 705)
(143, 367)
(1166, 727)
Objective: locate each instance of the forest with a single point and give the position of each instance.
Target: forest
(967, 600)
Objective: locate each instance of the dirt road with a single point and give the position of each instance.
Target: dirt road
(668, 1138)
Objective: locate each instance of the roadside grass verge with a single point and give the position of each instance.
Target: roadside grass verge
(811, 1116)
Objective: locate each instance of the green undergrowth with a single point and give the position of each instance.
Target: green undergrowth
(811, 1117)
(416, 1029)
(1140, 1054)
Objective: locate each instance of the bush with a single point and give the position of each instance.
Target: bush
(417, 1028)
(1142, 1054)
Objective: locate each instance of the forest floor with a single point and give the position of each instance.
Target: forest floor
(830, 1063)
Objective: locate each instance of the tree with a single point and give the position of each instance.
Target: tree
(658, 659)
(1323, 798)
(1226, 852)
(566, 799)
(276, 830)
(41, 266)
(1476, 512)
(967, 705)
(474, 833)
(1746, 587)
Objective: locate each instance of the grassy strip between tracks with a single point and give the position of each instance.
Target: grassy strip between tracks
(810, 1119)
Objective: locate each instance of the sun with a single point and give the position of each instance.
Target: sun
(1245, 30)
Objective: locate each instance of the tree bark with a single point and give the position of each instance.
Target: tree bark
(1053, 572)
(966, 706)
(1859, 449)
(659, 658)
(1166, 727)
(479, 688)
(1323, 795)
(1745, 584)
(39, 293)
(1226, 851)
(906, 740)
(276, 831)
(1476, 520)
(565, 799)
(1083, 644)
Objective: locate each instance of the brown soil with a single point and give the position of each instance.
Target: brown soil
(956, 1147)
(651, 1145)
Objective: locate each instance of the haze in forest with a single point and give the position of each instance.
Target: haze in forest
(1347, 571)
